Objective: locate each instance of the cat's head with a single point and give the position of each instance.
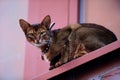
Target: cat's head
(37, 34)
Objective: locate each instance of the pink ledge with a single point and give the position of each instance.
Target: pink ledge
(79, 61)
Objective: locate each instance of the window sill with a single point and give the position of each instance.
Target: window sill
(79, 61)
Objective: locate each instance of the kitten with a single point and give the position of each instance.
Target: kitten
(62, 45)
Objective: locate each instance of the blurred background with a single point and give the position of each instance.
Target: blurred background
(19, 60)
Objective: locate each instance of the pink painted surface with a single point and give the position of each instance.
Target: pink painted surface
(60, 12)
(77, 62)
(104, 12)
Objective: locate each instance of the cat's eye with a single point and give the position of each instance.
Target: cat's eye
(43, 33)
(31, 35)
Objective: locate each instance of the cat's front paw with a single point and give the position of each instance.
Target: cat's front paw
(81, 53)
(59, 63)
(76, 56)
(51, 67)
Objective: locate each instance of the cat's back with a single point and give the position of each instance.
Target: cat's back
(100, 28)
(90, 31)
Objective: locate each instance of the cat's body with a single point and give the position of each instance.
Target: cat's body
(62, 45)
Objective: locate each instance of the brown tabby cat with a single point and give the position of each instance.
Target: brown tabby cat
(62, 45)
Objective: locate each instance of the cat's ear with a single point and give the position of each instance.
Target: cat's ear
(24, 25)
(46, 21)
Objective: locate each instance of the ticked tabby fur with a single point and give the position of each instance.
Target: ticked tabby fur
(62, 45)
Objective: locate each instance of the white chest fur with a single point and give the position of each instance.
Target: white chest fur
(45, 58)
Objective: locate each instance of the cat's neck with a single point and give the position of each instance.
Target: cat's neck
(53, 38)
(45, 48)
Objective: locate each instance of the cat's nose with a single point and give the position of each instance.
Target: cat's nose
(37, 41)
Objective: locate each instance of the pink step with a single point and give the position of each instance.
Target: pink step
(79, 61)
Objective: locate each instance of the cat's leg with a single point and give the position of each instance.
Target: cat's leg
(72, 45)
(80, 50)
(63, 60)
(51, 67)
(54, 61)
(72, 49)
(64, 57)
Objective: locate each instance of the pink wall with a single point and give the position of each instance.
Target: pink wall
(62, 12)
(104, 12)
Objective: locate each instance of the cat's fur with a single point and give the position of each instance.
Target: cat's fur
(62, 45)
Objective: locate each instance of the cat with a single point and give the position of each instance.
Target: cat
(62, 45)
